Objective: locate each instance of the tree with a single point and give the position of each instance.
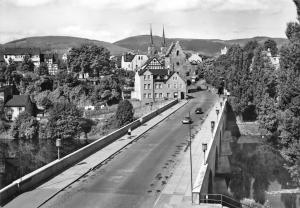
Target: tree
(27, 64)
(25, 127)
(90, 59)
(271, 45)
(42, 69)
(64, 121)
(124, 114)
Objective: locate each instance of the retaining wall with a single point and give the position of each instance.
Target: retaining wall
(52, 169)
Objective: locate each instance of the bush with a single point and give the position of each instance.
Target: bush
(25, 127)
(124, 114)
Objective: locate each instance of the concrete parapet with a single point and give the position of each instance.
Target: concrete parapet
(52, 169)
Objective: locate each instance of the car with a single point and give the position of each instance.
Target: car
(198, 111)
(187, 120)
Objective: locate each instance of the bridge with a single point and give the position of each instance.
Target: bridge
(207, 158)
(207, 132)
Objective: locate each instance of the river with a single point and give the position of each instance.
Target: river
(20, 157)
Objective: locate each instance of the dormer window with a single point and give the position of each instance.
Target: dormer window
(177, 53)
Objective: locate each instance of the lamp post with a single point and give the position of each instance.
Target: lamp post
(204, 148)
(58, 145)
(191, 163)
(212, 126)
(217, 112)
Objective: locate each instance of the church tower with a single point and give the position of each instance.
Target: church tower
(151, 48)
(163, 48)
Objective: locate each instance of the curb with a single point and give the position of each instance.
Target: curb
(112, 155)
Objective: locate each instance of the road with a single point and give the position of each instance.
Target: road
(136, 176)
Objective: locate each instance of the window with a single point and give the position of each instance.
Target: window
(20, 108)
(145, 86)
(175, 86)
(145, 77)
(149, 95)
(149, 86)
(156, 86)
(145, 95)
(148, 76)
(177, 63)
(180, 86)
(155, 95)
(168, 95)
(160, 86)
(141, 57)
(187, 73)
(177, 53)
(169, 85)
(160, 95)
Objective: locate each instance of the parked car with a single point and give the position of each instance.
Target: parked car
(198, 111)
(187, 120)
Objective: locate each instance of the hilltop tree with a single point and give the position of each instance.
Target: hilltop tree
(90, 59)
(272, 45)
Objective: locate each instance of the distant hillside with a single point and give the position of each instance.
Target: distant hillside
(209, 47)
(61, 44)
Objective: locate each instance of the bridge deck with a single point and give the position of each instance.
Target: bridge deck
(177, 192)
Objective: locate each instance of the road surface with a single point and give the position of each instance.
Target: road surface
(135, 177)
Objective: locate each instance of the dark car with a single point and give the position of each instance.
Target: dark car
(198, 111)
(187, 120)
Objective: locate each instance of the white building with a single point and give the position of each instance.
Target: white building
(195, 59)
(19, 54)
(133, 62)
(224, 51)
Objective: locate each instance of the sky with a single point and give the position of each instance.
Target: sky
(113, 20)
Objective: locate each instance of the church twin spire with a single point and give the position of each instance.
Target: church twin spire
(163, 37)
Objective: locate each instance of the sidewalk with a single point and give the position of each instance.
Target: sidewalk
(177, 192)
(43, 193)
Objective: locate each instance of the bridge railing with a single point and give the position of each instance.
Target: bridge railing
(221, 199)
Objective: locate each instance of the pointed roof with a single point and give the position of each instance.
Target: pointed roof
(151, 38)
(18, 101)
(154, 66)
(164, 38)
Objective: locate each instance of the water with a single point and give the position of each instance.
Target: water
(256, 171)
(18, 158)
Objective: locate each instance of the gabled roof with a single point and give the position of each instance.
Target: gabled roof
(154, 66)
(170, 49)
(128, 57)
(18, 101)
(21, 51)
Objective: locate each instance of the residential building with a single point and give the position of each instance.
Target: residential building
(224, 51)
(153, 82)
(126, 62)
(17, 104)
(275, 60)
(176, 60)
(52, 63)
(133, 62)
(19, 54)
(195, 59)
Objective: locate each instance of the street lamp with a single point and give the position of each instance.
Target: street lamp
(204, 148)
(217, 111)
(191, 163)
(212, 126)
(58, 145)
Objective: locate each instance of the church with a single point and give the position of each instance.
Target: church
(163, 76)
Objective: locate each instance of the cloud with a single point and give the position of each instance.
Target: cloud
(26, 3)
